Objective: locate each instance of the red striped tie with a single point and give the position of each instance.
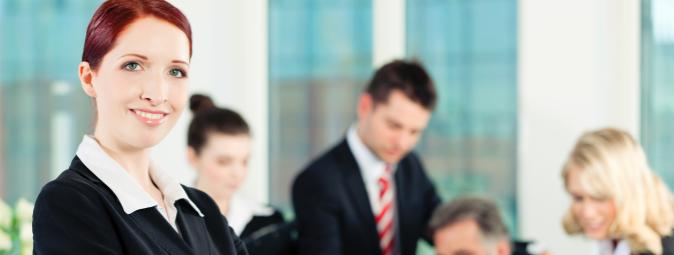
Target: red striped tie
(385, 220)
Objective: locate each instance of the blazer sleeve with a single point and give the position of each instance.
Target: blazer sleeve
(69, 220)
(316, 215)
(431, 200)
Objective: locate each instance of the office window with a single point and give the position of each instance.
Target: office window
(320, 57)
(42, 109)
(470, 48)
(657, 86)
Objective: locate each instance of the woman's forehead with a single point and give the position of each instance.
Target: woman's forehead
(154, 39)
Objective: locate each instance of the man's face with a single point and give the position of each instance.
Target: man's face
(391, 129)
(464, 238)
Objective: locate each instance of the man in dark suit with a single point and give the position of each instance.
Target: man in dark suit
(370, 194)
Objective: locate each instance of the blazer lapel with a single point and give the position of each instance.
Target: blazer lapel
(193, 228)
(156, 228)
(160, 231)
(401, 200)
(356, 188)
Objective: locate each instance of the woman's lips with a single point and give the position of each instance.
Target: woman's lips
(150, 118)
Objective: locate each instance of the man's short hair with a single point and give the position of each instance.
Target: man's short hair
(409, 77)
(484, 212)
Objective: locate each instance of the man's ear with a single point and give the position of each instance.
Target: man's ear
(86, 77)
(365, 105)
(503, 247)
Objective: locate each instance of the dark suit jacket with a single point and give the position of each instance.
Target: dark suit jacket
(78, 214)
(334, 214)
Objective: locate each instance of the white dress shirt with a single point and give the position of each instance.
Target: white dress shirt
(606, 248)
(127, 190)
(371, 168)
(241, 212)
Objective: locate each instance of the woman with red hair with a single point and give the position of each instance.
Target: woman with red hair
(112, 199)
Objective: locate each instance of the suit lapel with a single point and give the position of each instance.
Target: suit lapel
(160, 231)
(193, 228)
(353, 181)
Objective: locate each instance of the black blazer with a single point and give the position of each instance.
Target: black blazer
(667, 246)
(78, 214)
(333, 211)
(268, 235)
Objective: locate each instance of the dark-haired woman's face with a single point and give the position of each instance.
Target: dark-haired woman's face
(223, 162)
(140, 86)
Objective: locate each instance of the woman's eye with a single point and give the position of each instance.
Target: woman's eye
(577, 198)
(132, 66)
(175, 72)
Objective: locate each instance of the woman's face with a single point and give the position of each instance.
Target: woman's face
(223, 161)
(140, 87)
(595, 215)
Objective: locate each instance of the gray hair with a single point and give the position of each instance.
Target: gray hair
(483, 211)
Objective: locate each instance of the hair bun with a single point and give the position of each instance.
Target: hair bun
(200, 103)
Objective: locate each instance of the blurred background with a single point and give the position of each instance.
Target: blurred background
(518, 82)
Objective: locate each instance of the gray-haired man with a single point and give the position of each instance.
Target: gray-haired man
(469, 226)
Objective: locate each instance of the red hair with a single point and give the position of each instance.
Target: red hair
(113, 16)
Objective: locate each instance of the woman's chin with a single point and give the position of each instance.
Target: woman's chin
(146, 140)
(596, 235)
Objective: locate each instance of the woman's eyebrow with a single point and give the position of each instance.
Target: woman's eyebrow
(135, 55)
(143, 57)
(180, 62)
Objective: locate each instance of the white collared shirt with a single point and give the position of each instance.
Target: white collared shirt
(371, 167)
(241, 212)
(606, 248)
(127, 190)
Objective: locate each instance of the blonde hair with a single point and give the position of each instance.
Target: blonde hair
(613, 165)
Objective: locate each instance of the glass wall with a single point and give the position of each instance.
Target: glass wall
(657, 90)
(470, 48)
(320, 59)
(42, 109)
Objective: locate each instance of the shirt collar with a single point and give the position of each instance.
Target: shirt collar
(241, 212)
(370, 165)
(606, 247)
(127, 190)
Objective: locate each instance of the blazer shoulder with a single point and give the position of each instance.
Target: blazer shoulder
(326, 165)
(70, 187)
(413, 158)
(668, 244)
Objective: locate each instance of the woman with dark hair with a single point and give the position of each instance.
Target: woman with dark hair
(112, 199)
(219, 148)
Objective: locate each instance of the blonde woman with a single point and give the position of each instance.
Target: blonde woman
(617, 199)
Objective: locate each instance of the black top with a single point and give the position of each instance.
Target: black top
(667, 246)
(78, 214)
(258, 222)
(333, 211)
(269, 235)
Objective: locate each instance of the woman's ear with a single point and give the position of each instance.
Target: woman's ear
(86, 77)
(192, 157)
